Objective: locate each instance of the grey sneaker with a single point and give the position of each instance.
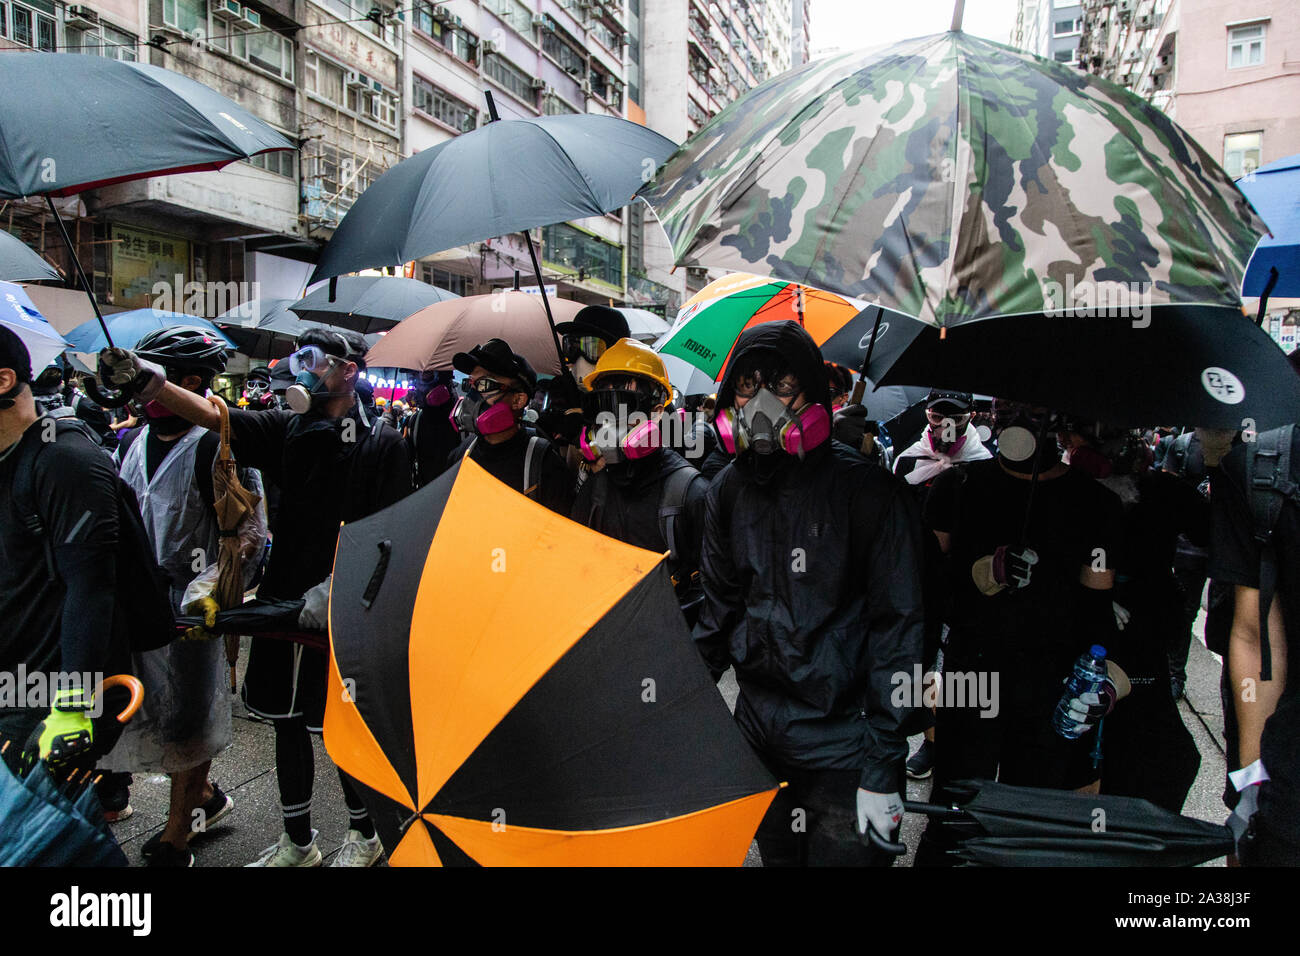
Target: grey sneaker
(358, 851)
(288, 853)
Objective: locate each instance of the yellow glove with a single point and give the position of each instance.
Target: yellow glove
(208, 608)
(67, 732)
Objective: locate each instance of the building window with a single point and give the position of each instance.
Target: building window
(1062, 28)
(356, 12)
(100, 40)
(1246, 46)
(29, 24)
(1064, 56)
(279, 162)
(444, 280)
(582, 253)
(515, 14)
(570, 57)
(510, 77)
(554, 106)
(1242, 153)
(350, 89)
(444, 107)
(186, 15)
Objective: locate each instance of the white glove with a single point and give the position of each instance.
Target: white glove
(883, 811)
(1088, 708)
(1122, 615)
(315, 609)
(119, 368)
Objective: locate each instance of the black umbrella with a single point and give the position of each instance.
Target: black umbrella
(72, 122)
(507, 176)
(266, 329)
(18, 263)
(1205, 364)
(368, 303)
(998, 825)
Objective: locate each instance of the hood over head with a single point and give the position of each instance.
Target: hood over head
(793, 347)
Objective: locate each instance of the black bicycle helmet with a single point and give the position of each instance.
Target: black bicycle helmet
(183, 347)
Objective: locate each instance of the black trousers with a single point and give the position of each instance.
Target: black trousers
(813, 821)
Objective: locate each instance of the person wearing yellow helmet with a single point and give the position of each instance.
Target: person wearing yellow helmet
(637, 489)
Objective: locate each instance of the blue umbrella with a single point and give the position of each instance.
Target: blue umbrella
(128, 328)
(19, 262)
(1274, 268)
(39, 826)
(17, 312)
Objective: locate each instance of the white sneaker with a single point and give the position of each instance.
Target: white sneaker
(288, 853)
(358, 851)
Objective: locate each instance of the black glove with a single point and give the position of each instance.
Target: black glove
(850, 425)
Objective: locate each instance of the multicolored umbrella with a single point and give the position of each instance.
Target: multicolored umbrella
(708, 325)
(512, 688)
(953, 179)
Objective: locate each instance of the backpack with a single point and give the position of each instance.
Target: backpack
(672, 504)
(144, 605)
(1269, 486)
(533, 459)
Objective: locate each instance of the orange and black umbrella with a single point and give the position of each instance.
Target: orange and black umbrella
(512, 688)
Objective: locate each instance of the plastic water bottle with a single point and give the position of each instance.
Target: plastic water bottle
(1088, 675)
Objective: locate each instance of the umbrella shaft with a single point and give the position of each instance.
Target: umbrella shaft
(81, 274)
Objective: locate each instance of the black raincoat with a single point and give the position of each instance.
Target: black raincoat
(812, 581)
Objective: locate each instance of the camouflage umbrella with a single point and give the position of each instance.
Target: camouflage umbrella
(953, 179)
(236, 508)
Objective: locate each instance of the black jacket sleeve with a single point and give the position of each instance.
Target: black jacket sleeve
(887, 524)
(76, 490)
(723, 589)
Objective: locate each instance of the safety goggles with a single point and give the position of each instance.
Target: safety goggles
(311, 359)
(781, 384)
(256, 388)
(590, 347)
(486, 386)
(937, 418)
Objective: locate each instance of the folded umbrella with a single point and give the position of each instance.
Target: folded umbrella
(19, 262)
(998, 825)
(368, 303)
(494, 713)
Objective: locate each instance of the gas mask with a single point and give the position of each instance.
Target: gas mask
(1018, 427)
(766, 425)
(472, 413)
(947, 431)
(310, 366)
(625, 430)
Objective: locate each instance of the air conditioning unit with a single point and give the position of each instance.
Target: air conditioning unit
(586, 88)
(1132, 56)
(539, 83)
(441, 15)
(1163, 64)
(376, 86)
(353, 78)
(539, 20)
(228, 10)
(454, 20)
(1144, 22)
(491, 46)
(252, 17)
(82, 15)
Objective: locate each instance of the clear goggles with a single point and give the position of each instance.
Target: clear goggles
(311, 359)
(590, 347)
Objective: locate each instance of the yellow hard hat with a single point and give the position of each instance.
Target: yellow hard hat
(630, 357)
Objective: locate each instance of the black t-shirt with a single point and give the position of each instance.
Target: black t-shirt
(75, 491)
(328, 471)
(982, 507)
(1234, 559)
(505, 462)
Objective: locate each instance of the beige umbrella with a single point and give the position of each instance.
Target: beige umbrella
(242, 530)
(429, 338)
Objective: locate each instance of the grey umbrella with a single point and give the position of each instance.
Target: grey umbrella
(266, 329)
(17, 262)
(368, 303)
(88, 121)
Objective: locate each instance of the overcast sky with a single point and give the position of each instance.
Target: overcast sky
(853, 24)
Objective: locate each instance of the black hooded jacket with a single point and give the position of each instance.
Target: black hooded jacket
(813, 592)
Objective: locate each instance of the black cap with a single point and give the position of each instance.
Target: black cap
(954, 401)
(259, 372)
(496, 356)
(599, 320)
(14, 354)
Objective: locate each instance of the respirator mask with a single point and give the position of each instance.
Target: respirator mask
(309, 366)
(1018, 428)
(472, 413)
(625, 426)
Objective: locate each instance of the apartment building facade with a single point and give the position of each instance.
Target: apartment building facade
(1051, 29)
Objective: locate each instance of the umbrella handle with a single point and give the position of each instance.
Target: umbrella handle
(224, 411)
(134, 686)
(112, 398)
